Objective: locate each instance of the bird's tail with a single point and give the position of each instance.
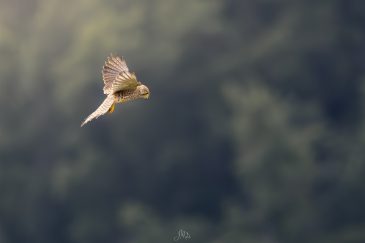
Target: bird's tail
(106, 106)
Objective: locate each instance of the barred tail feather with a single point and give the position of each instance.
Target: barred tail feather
(101, 110)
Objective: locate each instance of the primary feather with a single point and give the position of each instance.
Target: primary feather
(112, 68)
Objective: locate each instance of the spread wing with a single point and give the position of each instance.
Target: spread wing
(124, 81)
(102, 109)
(112, 68)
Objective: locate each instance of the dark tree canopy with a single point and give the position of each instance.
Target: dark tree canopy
(254, 131)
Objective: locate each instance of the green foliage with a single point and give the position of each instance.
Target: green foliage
(253, 133)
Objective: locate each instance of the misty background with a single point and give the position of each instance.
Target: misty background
(254, 131)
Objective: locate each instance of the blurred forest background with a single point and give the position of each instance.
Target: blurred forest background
(254, 130)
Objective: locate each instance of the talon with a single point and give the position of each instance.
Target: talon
(111, 109)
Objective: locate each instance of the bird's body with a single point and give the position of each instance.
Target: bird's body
(120, 86)
(128, 95)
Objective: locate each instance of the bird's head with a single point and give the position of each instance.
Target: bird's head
(144, 92)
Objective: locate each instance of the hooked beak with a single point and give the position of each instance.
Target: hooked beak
(146, 96)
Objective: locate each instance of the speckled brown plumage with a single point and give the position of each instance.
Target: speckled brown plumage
(120, 86)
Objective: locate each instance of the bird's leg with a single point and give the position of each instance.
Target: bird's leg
(111, 109)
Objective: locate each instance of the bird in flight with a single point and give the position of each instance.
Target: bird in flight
(120, 86)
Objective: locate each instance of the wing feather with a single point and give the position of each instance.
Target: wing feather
(101, 110)
(124, 81)
(112, 68)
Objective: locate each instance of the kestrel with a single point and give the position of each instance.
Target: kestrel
(120, 86)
